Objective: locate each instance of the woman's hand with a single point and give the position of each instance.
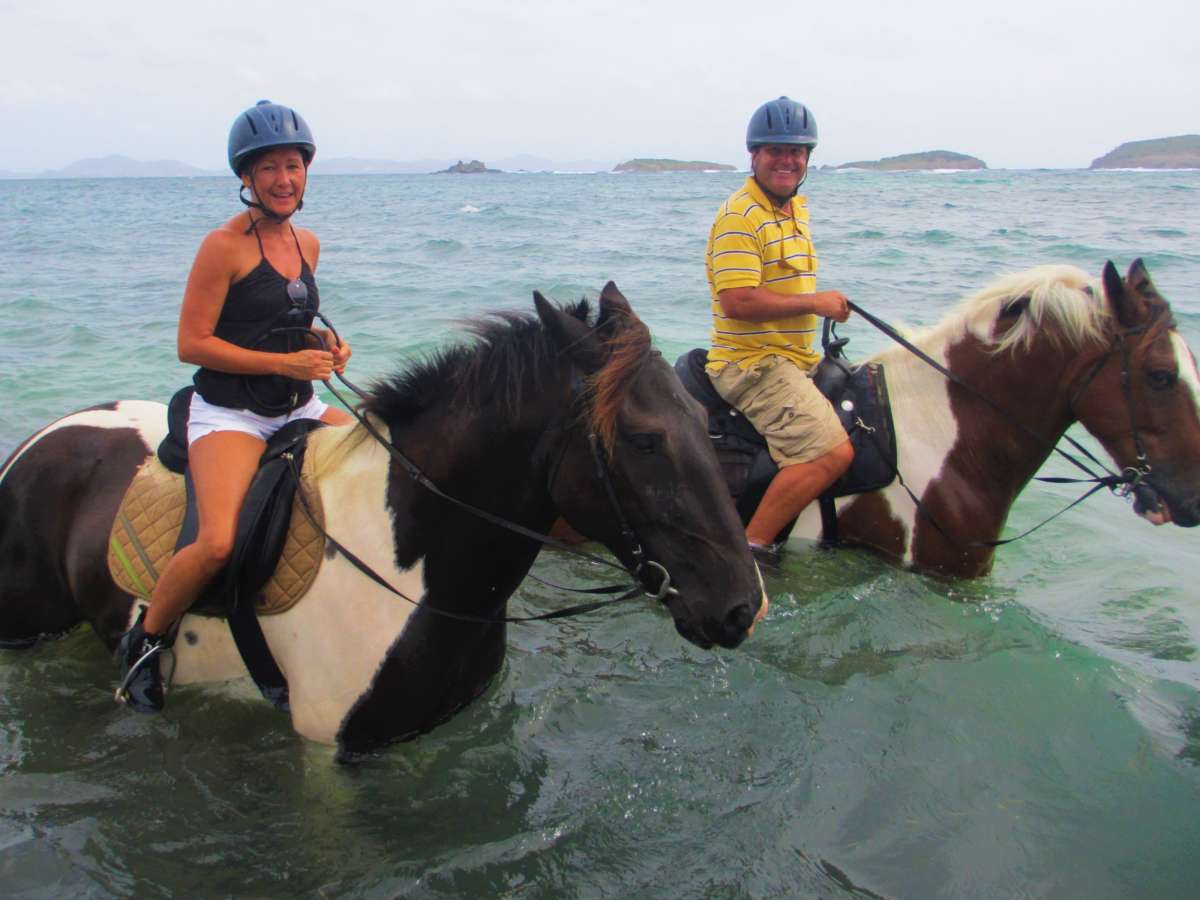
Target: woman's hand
(306, 365)
(341, 356)
(340, 351)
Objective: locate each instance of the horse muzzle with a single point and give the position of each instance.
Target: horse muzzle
(727, 630)
(1158, 507)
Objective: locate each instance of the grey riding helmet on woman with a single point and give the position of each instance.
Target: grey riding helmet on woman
(261, 127)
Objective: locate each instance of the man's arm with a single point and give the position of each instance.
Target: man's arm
(761, 304)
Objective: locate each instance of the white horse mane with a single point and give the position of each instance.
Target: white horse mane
(1063, 302)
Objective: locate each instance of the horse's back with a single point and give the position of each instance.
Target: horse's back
(59, 492)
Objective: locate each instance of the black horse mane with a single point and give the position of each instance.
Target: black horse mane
(511, 353)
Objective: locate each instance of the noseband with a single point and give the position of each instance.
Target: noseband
(1132, 477)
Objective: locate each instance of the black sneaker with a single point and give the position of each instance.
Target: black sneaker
(141, 685)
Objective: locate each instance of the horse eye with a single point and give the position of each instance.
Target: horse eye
(645, 443)
(1162, 379)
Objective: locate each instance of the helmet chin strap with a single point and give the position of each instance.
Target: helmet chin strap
(269, 213)
(776, 198)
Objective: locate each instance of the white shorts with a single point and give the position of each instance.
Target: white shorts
(205, 418)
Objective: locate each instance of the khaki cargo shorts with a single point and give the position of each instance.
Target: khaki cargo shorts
(781, 401)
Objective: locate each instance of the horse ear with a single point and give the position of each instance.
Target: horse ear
(614, 310)
(1139, 279)
(571, 335)
(1124, 305)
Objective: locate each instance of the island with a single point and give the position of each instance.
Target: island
(1179, 152)
(671, 165)
(930, 160)
(474, 167)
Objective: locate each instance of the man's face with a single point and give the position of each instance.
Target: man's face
(780, 168)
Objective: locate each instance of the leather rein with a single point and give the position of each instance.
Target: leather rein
(1131, 479)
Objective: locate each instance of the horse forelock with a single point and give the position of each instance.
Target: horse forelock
(629, 348)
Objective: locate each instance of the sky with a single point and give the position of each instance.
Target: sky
(1020, 84)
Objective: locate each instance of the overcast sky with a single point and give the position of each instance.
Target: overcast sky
(1022, 83)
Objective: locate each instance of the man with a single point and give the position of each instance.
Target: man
(765, 304)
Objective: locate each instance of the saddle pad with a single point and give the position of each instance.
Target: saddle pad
(147, 525)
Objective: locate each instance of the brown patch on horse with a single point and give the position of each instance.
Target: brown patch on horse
(871, 514)
(971, 497)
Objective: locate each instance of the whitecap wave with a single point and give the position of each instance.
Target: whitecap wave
(468, 208)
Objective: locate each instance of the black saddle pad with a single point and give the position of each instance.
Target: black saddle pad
(266, 512)
(858, 395)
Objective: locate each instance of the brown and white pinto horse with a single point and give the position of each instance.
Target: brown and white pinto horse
(502, 424)
(1051, 347)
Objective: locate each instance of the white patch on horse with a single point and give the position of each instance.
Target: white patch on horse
(204, 651)
(149, 419)
(926, 431)
(1185, 366)
(332, 644)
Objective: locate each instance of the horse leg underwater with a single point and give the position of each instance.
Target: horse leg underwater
(59, 493)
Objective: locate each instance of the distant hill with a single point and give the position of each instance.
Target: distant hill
(1179, 152)
(125, 167)
(474, 167)
(671, 165)
(919, 162)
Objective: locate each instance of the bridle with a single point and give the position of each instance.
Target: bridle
(1134, 476)
(642, 567)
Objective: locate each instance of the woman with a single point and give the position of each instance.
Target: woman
(250, 294)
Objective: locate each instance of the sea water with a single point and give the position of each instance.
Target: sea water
(1032, 733)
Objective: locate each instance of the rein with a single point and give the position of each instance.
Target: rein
(1130, 480)
(642, 564)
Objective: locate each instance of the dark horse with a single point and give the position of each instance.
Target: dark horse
(1049, 346)
(503, 424)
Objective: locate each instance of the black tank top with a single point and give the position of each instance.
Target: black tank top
(254, 307)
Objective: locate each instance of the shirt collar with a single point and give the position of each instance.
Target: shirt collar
(798, 202)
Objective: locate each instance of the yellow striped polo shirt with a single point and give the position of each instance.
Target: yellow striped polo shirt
(753, 243)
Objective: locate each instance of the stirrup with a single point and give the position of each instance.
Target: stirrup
(142, 686)
(151, 647)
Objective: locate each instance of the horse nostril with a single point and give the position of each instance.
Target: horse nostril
(738, 621)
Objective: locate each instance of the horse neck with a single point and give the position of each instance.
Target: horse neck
(488, 458)
(963, 437)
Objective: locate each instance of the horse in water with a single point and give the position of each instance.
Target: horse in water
(1049, 347)
(1028, 356)
(543, 416)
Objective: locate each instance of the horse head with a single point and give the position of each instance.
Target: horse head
(636, 471)
(1141, 399)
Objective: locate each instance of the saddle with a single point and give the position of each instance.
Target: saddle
(858, 395)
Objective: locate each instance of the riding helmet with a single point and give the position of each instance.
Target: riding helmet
(782, 121)
(267, 125)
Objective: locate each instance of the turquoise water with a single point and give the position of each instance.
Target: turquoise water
(1034, 733)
